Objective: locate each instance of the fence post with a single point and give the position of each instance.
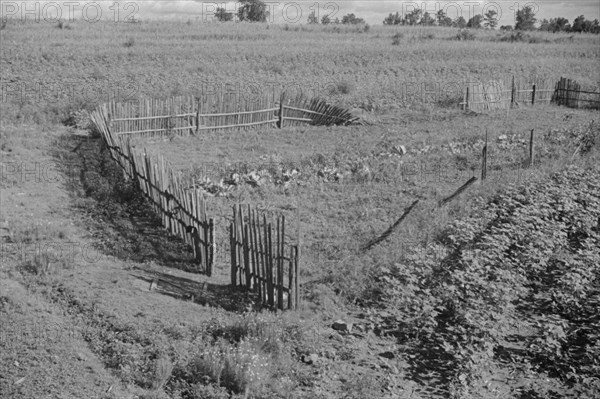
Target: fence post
(533, 95)
(531, 150)
(246, 255)
(280, 263)
(211, 259)
(270, 286)
(512, 92)
(466, 105)
(281, 99)
(198, 117)
(484, 159)
(233, 247)
(296, 258)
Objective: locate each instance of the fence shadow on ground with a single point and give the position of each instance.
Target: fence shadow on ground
(114, 210)
(203, 293)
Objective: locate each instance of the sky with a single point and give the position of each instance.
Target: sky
(291, 12)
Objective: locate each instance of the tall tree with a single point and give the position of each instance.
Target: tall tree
(393, 19)
(475, 22)
(253, 11)
(580, 24)
(413, 17)
(490, 19)
(443, 19)
(223, 15)
(427, 20)
(525, 19)
(560, 24)
(459, 22)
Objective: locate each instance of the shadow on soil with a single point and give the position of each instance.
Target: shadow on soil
(122, 224)
(202, 293)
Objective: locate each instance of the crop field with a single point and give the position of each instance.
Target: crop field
(495, 294)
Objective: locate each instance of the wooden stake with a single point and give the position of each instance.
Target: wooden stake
(484, 158)
(531, 150)
(512, 92)
(280, 265)
(281, 100)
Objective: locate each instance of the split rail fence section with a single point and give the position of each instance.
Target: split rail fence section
(509, 94)
(261, 261)
(183, 212)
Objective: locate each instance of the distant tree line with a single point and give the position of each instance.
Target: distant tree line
(256, 11)
(420, 17)
(525, 20)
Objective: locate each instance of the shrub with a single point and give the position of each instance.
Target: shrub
(465, 34)
(397, 38)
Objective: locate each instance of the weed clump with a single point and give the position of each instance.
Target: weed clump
(397, 38)
(343, 87)
(130, 42)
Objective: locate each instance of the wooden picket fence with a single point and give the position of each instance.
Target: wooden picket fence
(511, 93)
(568, 92)
(261, 261)
(148, 118)
(153, 118)
(182, 212)
(503, 94)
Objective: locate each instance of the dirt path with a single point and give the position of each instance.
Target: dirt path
(44, 354)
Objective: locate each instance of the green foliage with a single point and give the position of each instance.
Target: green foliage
(490, 19)
(525, 19)
(460, 22)
(253, 11)
(351, 19)
(582, 25)
(530, 256)
(427, 20)
(223, 16)
(443, 19)
(312, 18)
(554, 25)
(413, 17)
(475, 22)
(393, 19)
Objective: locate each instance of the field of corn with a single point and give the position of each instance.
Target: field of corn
(495, 295)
